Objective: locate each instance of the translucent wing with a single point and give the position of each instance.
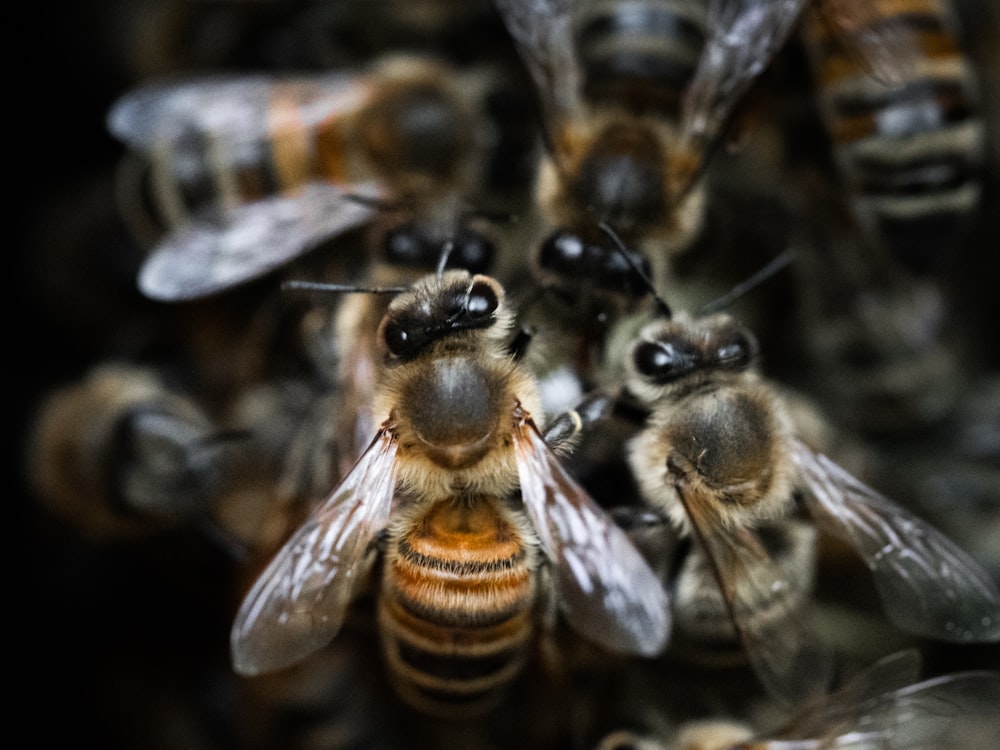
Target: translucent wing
(743, 38)
(298, 603)
(769, 610)
(954, 710)
(837, 712)
(927, 584)
(201, 258)
(543, 33)
(888, 49)
(233, 109)
(606, 590)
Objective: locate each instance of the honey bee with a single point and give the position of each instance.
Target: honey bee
(635, 99)
(122, 452)
(898, 96)
(885, 705)
(461, 559)
(721, 458)
(250, 172)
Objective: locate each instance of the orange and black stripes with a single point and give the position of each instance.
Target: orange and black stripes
(456, 609)
(910, 149)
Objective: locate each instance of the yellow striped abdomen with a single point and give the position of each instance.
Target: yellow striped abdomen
(456, 611)
(910, 152)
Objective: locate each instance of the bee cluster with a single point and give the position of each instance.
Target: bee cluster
(499, 374)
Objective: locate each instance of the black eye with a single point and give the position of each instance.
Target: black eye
(562, 252)
(625, 275)
(735, 353)
(408, 246)
(482, 300)
(663, 361)
(473, 252)
(398, 339)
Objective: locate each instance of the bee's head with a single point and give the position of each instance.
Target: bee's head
(413, 245)
(447, 367)
(683, 351)
(436, 308)
(572, 263)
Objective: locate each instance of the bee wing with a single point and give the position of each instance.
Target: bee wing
(543, 33)
(743, 37)
(953, 710)
(201, 258)
(888, 52)
(775, 629)
(231, 109)
(839, 711)
(928, 585)
(606, 590)
(297, 604)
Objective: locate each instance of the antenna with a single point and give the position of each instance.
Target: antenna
(446, 249)
(320, 287)
(769, 270)
(661, 304)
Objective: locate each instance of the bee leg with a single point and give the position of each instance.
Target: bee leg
(565, 428)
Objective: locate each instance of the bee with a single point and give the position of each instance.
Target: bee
(721, 458)
(885, 705)
(898, 97)
(250, 172)
(635, 98)
(461, 558)
(122, 452)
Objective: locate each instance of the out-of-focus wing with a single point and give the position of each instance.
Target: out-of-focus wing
(543, 33)
(953, 710)
(297, 605)
(230, 109)
(743, 38)
(928, 585)
(881, 41)
(772, 617)
(606, 590)
(202, 258)
(837, 712)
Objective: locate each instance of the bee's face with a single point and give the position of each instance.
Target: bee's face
(438, 309)
(677, 351)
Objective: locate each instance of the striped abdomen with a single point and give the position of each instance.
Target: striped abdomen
(910, 152)
(639, 54)
(456, 610)
(283, 134)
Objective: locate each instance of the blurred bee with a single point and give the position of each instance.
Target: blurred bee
(460, 580)
(250, 172)
(897, 94)
(882, 706)
(720, 457)
(635, 97)
(123, 452)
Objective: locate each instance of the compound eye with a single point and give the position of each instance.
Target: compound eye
(662, 361)
(407, 246)
(737, 353)
(473, 252)
(398, 340)
(482, 300)
(562, 251)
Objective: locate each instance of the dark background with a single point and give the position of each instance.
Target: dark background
(109, 636)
